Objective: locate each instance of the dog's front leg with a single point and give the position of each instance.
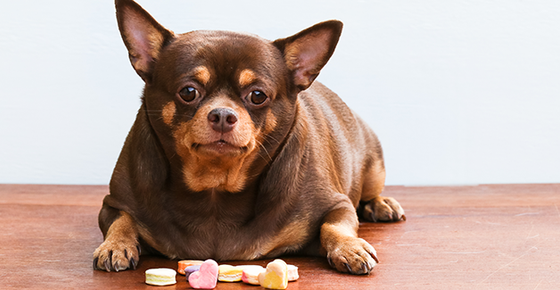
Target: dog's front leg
(339, 237)
(120, 250)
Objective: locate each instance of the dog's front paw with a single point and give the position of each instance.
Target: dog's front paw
(353, 255)
(383, 209)
(116, 256)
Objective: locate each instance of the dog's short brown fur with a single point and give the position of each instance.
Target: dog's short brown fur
(237, 154)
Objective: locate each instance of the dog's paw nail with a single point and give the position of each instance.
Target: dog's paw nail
(391, 217)
(372, 217)
(374, 256)
(365, 268)
(403, 217)
(132, 263)
(371, 251)
(139, 250)
(107, 265)
(330, 261)
(95, 263)
(348, 267)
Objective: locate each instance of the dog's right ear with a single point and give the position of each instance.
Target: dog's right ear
(143, 36)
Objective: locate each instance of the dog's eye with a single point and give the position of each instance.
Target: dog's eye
(257, 97)
(188, 94)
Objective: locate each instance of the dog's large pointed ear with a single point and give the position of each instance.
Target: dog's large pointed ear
(308, 51)
(143, 36)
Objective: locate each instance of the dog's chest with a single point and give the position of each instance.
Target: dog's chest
(223, 227)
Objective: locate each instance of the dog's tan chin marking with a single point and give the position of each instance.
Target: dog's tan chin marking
(208, 171)
(222, 173)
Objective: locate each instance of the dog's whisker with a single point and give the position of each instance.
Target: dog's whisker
(266, 151)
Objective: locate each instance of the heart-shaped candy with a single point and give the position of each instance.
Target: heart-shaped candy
(275, 276)
(191, 269)
(206, 277)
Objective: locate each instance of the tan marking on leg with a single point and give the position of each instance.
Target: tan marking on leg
(339, 238)
(119, 251)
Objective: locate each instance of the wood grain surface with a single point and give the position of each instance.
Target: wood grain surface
(455, 237)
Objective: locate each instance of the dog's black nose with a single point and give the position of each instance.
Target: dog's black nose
(222, 119)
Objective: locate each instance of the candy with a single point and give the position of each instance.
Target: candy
(160, 276)
(191, 269)
(185, 263)
(275, 276)
(228, 273)
(206, 277)
(292, 273)
(251, 274)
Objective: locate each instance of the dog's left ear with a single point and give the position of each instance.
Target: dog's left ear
(143, 36)
(308, 51)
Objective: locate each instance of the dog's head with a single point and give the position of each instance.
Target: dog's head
(221, 100)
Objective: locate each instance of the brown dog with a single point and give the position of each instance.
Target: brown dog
(236, 154)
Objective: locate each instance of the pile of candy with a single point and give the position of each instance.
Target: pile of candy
(206, 274)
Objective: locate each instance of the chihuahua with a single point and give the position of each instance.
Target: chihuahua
(237, 153)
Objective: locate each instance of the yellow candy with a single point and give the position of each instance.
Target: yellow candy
(228, 273)
(275, 276)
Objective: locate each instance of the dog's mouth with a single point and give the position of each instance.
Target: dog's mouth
(220, 147)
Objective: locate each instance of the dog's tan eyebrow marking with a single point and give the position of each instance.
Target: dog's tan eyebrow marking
(202, 74)
(246, 77)
(168, 113)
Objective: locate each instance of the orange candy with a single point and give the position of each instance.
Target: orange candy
(185, 263)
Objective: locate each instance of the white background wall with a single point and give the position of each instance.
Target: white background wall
(459, 92)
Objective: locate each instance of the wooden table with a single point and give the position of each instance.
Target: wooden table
(465, 237)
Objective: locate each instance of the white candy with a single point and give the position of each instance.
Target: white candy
(161, 276)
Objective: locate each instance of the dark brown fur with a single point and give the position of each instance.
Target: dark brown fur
(287, 178)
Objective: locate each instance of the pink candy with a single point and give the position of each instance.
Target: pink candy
(206, 277)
